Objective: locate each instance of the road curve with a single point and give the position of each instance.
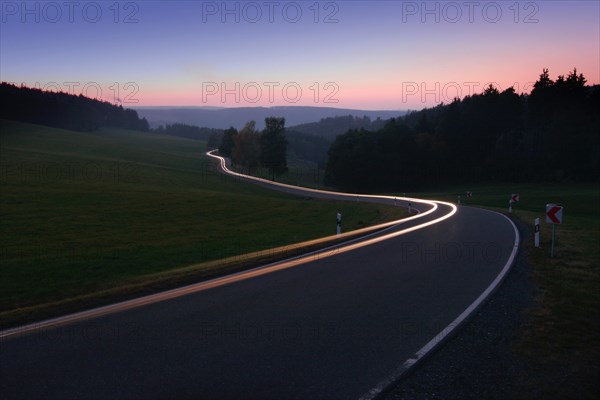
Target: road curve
(345, 324)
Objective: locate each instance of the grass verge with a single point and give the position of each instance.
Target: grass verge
(559, 340)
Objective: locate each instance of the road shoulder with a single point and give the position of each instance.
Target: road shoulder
(478, 361)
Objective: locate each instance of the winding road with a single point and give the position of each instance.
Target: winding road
(338, 323)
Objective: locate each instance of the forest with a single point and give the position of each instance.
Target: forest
(188, 131)
(551, 134)
(63, 110)
(250, 148)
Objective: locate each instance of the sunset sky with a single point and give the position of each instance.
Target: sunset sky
(393, 55)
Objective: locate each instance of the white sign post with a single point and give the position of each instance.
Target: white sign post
(537, 233)
(339, 224)
(554, 214)
(514, 198)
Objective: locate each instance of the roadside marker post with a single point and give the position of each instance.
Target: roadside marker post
(537, 233)
(514, 198)
(339, 224)
(409, 207)
(458, 201)
(554, 214)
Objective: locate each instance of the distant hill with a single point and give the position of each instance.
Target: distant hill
(329, 128)
(63, 110)
(311, 141)
(308, 147)
(187, 131)
(308, 141)
(222, 118)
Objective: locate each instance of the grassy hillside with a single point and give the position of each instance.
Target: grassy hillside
(83, 212)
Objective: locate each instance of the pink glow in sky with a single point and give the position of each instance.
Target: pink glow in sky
(369, 55)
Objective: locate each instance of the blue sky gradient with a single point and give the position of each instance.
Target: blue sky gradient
(372, 54)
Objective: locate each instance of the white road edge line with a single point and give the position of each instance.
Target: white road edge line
(440, 337)
(243, 275)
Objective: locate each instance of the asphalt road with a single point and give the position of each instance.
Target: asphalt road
(338, 324)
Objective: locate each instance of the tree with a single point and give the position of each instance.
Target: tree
(246, 147)
(423, 125)
(490, 91)
(551, 134)
(214, 140)
(544, 80)
(227, 142)
(274, 146)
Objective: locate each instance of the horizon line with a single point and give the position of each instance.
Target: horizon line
(270, 107)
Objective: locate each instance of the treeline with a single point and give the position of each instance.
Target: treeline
(63, 110)
(299, 145)
(250, 148)
(550, 135)
(330, 128)
(187, 131)
(308, 147)
(308, 142)
(311, 141)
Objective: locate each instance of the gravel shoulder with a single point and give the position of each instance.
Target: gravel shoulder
(477, 363)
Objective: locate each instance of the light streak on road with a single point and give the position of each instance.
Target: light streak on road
(367, 240)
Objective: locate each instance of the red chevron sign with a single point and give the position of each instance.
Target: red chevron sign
(554, 213)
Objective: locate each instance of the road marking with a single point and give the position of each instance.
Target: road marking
(240, 276)
(443, 335)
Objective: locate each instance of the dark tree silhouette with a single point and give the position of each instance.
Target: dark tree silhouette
(551, 134)
(62, 110)
(227, 142)
(214, 140)
(187, 131)
(246, 148)
(273, 145)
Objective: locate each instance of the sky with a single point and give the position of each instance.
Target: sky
(373, 55)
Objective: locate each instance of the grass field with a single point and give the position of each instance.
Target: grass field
(560, 339)
(85, 213)
(82, 213)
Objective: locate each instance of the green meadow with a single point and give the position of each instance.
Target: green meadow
(88, 218)
(88, 213)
